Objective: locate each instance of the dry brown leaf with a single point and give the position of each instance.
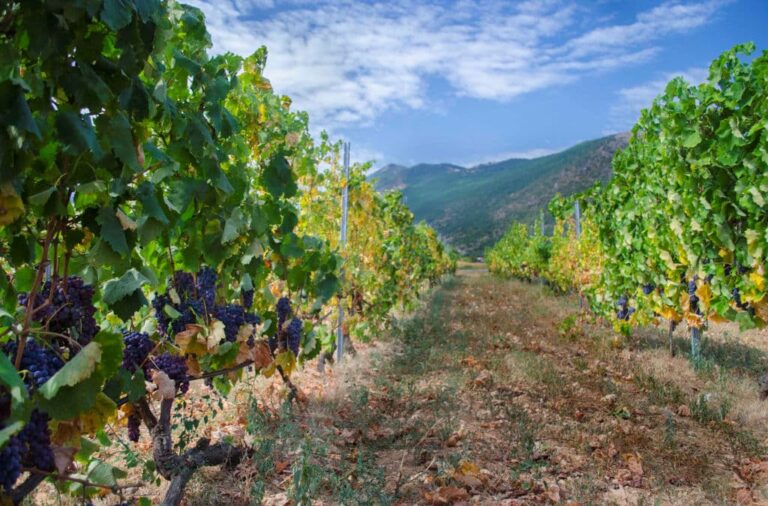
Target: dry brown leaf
(446, 495)
(166, 388)
(684, 410)
(63, 456)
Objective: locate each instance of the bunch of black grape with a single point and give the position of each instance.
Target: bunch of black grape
(288, 336)
(38, 363)
(69, 312)
(31, 447)
(197, 299)
(175, 366)
(624, 311)
(293, 333)
(137, 348)
(648, 288)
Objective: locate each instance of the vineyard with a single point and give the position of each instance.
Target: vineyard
(167, 227)
(678, 233)
(203, 303)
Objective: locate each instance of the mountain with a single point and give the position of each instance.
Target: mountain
(472, 207)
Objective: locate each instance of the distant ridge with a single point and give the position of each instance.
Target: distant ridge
(471, 207)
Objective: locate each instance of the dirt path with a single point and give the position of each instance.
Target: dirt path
(496, 392)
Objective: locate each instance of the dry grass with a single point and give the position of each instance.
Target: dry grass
(502, 391)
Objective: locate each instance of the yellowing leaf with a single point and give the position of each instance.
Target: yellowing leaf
(704, 293)
(102, 411)
(192, 340)
(11, 206)
(670, 314)
(758, 279)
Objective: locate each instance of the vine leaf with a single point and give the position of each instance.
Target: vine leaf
(116, 14)
(13, 383)
(80, 368)
(112, 230)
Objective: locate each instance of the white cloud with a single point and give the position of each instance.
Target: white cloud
(507, 155)
(347, 62)
(626, 111)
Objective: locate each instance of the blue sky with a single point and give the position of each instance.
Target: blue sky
(472, 81)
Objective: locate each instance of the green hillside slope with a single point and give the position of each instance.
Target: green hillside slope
(471, 207)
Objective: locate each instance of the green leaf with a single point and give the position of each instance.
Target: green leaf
(23, 279)
(80, 368)
(13, 383)
(70, 401)
(40, 198)
(116, 14)
(121, 137)
(10, 430)
(692, 139)
(104, 474)
(147, 195)
(116, 289)
(233, 226)
(112, 231)
(278, 178)
(76, 134)
(20, 115)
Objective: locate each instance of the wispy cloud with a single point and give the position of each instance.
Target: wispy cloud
(347, 62)
(626, 111)
(507, 155)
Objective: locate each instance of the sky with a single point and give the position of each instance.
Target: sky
(471, 82)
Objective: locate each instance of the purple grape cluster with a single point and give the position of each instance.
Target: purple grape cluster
(283, 310)
(134, 427)
(70, 309)
(35, 437)
(41, 362)
(184, 283)
(624, 311)
(206, 287)
(138, 346)
(648, 288)
(294, 335)
(10, 456)
(197, 296)
(248, 299)
(175, 367)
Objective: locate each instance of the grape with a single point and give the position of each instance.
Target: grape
(137, 346)
(175, 367)
(294, 335)
(248, 298)
(158, 304)
(70, 308)
(190, 310)
(10, 456)
(622, 301)
(692, 287)
(648, 288)
(727, 269)
(134, 427)
(232, 316)
(36, 439)
(41, 362)
(252, 318)
(206, 286)
(283, 310)
(184, 283)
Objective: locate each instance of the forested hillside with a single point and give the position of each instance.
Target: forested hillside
(471, 207)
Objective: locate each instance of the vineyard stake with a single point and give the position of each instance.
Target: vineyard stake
(342, 242)
(577, 219)
(695, 344)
